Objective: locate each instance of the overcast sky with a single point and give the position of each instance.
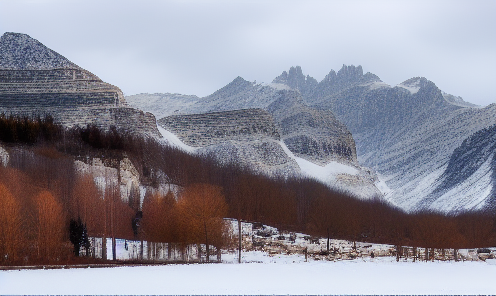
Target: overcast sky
(197, 47)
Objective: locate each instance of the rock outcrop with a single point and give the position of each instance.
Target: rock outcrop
(315, 135)
(408, 134)
(200, 130)
(247, 137)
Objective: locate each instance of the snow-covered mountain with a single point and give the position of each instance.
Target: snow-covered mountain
(35, 80)
(408, 133)
(307, 137)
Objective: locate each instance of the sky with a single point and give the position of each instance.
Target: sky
(197, 47)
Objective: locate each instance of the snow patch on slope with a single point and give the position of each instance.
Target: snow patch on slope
(377, 85)
(4, 157)
(173, 140)
(278, 86)
(413, 87)
(340, 176)
(471, 194)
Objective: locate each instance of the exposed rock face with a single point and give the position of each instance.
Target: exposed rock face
(309, 133)
(471, 169)
(199, 130)
(296, 80)
(35, 80)
(312, 134)
(248, 137)
(21, 52)
(408, 133)
(4, 157)
(122, 174)
(300, 136)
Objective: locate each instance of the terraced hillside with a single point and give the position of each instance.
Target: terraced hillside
(35, 80)
(247, 137)
(199, 130)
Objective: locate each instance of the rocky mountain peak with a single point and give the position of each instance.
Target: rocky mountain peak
(21, 52)
(351, 72)
(297, 80)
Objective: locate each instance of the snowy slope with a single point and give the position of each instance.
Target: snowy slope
(408, 133)
(344, 176)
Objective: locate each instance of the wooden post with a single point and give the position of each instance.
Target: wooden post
(328, 244)
(239, 237)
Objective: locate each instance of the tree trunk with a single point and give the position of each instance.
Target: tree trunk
(239, 237)
(206, 241)
(114, 252)
(219, 255)
(104, 248)
(328, 244)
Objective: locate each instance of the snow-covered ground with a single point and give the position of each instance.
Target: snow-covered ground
(282, 268)
(270, 275)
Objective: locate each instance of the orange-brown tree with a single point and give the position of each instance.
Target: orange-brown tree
(87, 204)
(49, 227)
(201, 209)
(10, 226)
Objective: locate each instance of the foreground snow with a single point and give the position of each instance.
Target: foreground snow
(272, 275)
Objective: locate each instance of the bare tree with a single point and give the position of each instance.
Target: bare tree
(10, 226)
(201, 208)
(50, 226)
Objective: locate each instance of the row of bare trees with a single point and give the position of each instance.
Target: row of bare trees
(195, 218)
(42, 188)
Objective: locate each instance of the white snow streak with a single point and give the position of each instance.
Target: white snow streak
(173, 140)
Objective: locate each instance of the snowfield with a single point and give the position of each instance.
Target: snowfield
(271, 275)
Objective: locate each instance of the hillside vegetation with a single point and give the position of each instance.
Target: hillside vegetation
(45, 199)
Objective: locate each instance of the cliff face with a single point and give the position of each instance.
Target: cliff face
(313, 134)
(247, 137)
(35, 80)
(199, 130)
